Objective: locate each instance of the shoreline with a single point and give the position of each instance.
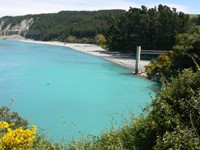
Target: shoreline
(124, 60)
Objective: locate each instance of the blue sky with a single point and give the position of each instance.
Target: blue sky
(22, 7)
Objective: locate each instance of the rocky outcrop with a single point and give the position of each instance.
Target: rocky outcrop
(15, 29)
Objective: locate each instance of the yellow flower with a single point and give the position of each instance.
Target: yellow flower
(18, 138)
(4, 125)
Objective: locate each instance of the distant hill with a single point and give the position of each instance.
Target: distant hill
(193, 15)
(83, 25)
(195, 18)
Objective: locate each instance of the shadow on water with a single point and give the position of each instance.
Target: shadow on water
(117, 54)
(127, 73)
(154, 85)
(129, 55)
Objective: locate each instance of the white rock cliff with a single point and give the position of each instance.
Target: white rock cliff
(16, 30)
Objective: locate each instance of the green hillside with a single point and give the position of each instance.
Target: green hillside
(59, 26)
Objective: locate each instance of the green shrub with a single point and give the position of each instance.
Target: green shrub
(181, 138)
(176, 112)
(101, 41)
(159, 68)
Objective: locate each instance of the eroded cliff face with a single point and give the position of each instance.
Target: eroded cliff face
(15, 29)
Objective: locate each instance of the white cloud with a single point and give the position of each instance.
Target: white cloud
(178, 7)
(21, 7)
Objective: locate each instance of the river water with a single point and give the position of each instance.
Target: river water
(65, 92)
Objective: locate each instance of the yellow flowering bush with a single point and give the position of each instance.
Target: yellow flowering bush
(4, 125)
(156, 68)
(17, 139)
(101, 40)
(162, 59)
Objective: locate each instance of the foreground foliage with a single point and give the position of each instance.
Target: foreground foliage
(176, 112)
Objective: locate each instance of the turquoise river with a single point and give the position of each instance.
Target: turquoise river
(65, 92)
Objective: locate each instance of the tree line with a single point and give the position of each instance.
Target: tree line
(60, 26)
(153, 28)
(80, 24)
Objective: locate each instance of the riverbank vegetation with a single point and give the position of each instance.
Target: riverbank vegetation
(185, 54)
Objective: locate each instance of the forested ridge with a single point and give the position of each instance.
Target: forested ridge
(60, 26)
(82, 24)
